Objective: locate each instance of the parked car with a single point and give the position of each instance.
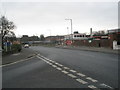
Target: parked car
(26, 46)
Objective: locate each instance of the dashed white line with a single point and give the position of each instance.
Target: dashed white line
(93, 87)
(91, 79)
(59, 64)
(106, 85)
(81, 81)
(66, 68)
(73, 71)
(52, 61)
(65, 72)
(49, 60)
(71, 75)
(58, 68)
(54, 66)
(80, 74)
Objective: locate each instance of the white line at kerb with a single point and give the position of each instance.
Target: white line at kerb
(22, 60)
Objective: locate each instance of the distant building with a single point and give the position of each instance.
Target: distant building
(34, 38)
(114, 36)
(76, 36)
(54, 39)
(70, 38)
(24, 39)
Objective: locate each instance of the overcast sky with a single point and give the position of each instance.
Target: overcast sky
(35, 18)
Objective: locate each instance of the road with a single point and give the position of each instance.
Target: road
(63, 68)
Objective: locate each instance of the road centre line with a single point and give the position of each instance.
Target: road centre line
(93, 80)
(54, 66)
(106, 85)
(65, 72)
(66, 68)
(71, 75)
(81, 81)
(58, 68)
(80, 74)
(73, 71)
(59, 64)
(93, 87)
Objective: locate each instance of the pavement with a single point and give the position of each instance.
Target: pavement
(25, 53)
(95, 49)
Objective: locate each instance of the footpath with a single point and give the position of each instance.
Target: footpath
(24, 54)
(95, 49)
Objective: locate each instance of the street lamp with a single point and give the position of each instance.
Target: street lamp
(71, 24)
(71, 29)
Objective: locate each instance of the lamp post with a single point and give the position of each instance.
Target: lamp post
(50, 34)
(70, 23)
(71, 28)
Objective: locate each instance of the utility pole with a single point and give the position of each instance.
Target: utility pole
(71, 24)
(71, 29)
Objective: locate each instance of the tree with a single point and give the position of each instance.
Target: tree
(42, 38)
(5, 27)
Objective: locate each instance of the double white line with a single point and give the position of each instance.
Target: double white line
(69, 72)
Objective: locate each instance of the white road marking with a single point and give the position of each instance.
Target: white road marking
(58, 68)
(73, 71)
(93, 87)
(66, 68)
(52, 61)
(71, 75)
(106, 85)
(80, 74)
(65, 72)
(46, 61)
(22, 60)
(60, 65)
(54, 66)
(91, 79)
(81, 81)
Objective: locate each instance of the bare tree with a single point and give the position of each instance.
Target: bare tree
(5, 27)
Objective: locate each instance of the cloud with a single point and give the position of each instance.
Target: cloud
(39, 17)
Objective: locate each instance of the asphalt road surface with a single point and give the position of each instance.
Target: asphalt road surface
(63, 68)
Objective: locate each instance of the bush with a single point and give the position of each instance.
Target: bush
(16, 48)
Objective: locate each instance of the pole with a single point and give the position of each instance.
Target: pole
(71, 29)
(71, 26)
(71, 32)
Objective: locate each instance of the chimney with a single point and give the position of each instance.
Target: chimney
(90, 32)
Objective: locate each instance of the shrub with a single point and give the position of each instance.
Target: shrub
(16, 48)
